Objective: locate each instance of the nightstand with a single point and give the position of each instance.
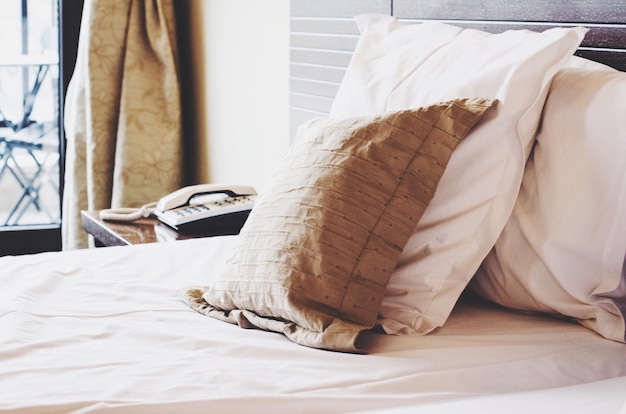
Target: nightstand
(115, 233)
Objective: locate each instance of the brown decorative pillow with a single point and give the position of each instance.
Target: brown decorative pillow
(315, 255)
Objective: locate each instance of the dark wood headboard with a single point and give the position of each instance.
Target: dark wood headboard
(323, 35)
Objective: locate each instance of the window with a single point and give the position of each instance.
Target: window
(38, 40)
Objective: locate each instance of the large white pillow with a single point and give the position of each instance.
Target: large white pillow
(562, 251)
(397, 66)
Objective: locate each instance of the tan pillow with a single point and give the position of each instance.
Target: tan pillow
(315, 255)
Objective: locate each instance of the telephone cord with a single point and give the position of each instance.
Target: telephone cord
(128, 214)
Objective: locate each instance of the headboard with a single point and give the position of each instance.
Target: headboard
(323, 35)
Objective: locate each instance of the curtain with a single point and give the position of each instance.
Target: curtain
(122, 111)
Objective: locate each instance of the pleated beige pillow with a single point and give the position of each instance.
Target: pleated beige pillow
(315, 255)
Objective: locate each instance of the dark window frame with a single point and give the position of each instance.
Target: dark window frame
(35, 239)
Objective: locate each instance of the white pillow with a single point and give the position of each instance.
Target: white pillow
(562, 250)
(583, 63)
(397, 66)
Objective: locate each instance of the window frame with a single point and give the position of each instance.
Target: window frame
(41, 238)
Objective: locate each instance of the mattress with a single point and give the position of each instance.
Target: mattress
(105, 330)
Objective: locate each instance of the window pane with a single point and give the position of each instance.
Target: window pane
(29, 113)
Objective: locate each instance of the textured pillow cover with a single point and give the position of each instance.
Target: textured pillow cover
(397, 66)
(563, 248)
(314, 257)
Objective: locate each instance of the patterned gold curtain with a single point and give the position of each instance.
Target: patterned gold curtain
(122, 113)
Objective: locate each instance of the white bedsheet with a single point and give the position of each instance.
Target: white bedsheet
(602, 397)
(104, 330)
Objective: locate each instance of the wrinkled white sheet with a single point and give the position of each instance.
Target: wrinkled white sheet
(104, 330)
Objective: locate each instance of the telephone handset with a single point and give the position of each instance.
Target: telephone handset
(211, 214)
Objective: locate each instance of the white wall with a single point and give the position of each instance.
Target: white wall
(242, 72)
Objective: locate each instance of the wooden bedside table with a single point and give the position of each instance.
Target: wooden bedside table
(116, 233)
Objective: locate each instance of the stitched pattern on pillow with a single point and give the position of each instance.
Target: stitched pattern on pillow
(315, 255)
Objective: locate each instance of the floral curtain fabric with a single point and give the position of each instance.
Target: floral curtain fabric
(122, 111)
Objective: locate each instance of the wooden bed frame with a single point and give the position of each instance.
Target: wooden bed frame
(323, 35)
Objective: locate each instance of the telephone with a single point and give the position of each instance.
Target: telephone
(204, 209)
(209, 209)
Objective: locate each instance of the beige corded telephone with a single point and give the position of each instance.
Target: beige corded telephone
(228, 211)
(209, 209)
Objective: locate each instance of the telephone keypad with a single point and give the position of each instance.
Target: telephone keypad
(197, 208)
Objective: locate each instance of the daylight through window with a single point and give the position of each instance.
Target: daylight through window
(29, 113)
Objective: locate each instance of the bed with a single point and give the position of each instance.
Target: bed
(386, 282)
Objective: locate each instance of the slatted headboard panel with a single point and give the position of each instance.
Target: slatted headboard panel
(323, 35)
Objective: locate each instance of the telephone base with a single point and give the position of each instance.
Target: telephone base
(222, 225)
